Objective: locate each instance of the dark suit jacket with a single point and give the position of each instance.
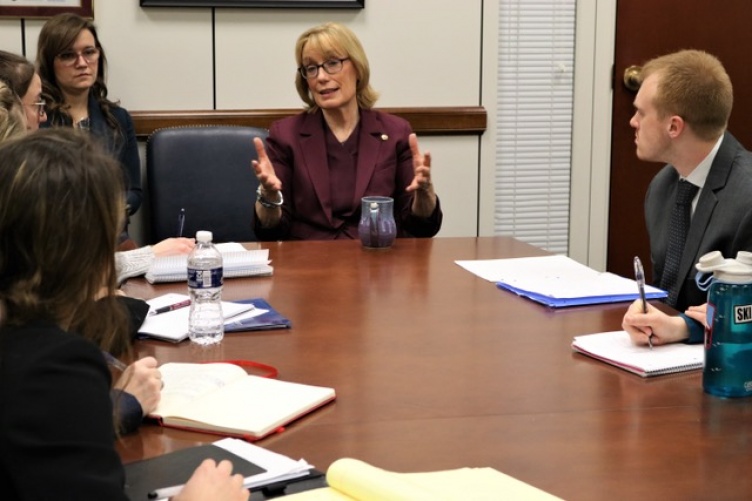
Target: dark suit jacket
(121, 144)
(297, 149)
(56, 430)
(722, 220)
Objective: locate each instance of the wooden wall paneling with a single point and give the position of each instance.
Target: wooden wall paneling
(460, 120)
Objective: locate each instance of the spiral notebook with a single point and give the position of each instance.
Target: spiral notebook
(236, 263)
(616, 348)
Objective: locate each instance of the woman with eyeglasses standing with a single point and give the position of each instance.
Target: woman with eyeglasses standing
(73, 66)
(317, 165)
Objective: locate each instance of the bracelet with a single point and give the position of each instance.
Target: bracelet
(267, 203)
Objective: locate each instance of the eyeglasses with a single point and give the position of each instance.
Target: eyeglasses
(69, 57)
(39, 106)
(331, 66)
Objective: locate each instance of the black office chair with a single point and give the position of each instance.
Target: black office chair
(206, 172)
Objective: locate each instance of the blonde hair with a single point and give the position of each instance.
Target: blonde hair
(12, 116)
(695, 86)
(335, 41)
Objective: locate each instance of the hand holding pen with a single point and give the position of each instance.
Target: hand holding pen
(143, 380)
(640, 279)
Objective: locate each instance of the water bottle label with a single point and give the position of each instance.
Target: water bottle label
(743, 314)
(205, 279)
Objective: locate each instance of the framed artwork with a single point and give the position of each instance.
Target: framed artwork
(18, 9)
(289, 4)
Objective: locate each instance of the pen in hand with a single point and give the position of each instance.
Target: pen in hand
(171, 307)
(640, 279)
(114, 362)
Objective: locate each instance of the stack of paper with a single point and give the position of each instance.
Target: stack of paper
(236, 262)
(558, 281)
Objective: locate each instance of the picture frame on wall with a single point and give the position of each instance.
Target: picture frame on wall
(21, 9)
(288, 4)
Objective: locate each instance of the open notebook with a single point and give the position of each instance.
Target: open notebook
(617, 349)
(222, 398)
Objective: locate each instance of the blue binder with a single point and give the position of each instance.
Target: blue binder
(270, 320)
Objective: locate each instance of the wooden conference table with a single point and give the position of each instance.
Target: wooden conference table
(436, 368)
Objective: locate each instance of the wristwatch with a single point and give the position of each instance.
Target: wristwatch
(267, 203)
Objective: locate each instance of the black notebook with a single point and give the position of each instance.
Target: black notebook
(175, 468)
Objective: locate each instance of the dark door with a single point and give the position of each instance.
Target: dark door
(645, 29)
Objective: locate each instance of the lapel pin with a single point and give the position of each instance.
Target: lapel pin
(384, 137)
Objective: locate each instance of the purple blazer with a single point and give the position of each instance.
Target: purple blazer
(297, 148)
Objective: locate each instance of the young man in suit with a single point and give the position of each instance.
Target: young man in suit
(681, 115)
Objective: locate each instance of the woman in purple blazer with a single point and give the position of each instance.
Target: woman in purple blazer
(317, 165)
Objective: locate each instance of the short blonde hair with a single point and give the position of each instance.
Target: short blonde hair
(695, 86)
(335, 40)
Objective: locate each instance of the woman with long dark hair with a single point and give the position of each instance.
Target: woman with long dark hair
(73, 66)
(61, 203)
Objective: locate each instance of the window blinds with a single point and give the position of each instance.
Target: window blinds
(534, 121)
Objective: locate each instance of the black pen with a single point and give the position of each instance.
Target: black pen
(181, 222)
(640, 279)
(171, 307)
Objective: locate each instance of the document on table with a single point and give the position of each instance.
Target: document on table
(557, 281)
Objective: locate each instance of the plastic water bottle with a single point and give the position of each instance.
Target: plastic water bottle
(205, 321)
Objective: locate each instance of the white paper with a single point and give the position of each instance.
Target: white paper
(554, 276)
(278, 467)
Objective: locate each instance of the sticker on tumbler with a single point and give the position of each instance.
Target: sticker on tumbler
(743, 314)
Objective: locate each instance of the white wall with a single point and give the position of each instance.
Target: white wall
(422, 53)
